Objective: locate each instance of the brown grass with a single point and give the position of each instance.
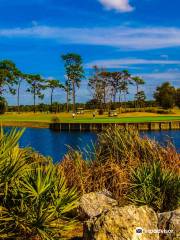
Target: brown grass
(117, 153)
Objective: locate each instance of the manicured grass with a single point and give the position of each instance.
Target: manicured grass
(121, 120)
(42, 118)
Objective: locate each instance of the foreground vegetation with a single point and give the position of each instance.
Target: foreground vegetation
(34, 198)
(37, 197)
(136, 170)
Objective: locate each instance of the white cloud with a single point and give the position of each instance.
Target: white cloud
(118, 5)
(118, 63)
(124, 38)
(160, 77)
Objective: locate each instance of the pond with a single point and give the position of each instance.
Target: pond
(55, 144)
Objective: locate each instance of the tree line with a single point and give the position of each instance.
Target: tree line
(111, 87)
(11, 79)
(107, 88)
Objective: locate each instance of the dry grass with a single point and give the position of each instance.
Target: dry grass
(76, 234)
(117, 153)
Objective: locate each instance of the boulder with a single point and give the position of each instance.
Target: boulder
(170, 222)
(94, 203)
(122, 223)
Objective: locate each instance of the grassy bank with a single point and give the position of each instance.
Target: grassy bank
(43, 119)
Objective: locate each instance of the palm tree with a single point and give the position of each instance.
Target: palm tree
(74, 72)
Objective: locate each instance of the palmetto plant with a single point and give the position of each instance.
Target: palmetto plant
(156, 187)
(34, 199)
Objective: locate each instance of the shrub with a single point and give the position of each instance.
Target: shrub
(154, 186)
(101, 111)
(125, 146)
(92, 176)
(164, 111)
(115, 155)
(34, 198)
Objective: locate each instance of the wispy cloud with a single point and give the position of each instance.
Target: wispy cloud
(124, 38)
(118, 63)
(155, 79)
(118, 5)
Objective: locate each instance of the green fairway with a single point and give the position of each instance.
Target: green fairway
(121, 120)
(40, 119)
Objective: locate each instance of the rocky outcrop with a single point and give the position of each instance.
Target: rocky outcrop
(170, 222)
(122, 223)
(95, 203)
(105, 220)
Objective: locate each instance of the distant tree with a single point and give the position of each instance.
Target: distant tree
(106, 89)
(177, 99)
(140, 97)
(92, 104)
(138, 81)
(96, 86)
(74, 72)
(124, 85)
(20, 77)
(53, 84)
(115, 83)
(68, 88)
(165, 95)
(8, 73)
(36, 85)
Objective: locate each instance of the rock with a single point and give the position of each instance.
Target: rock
(93, 204)
(170, 221)
(121, 223)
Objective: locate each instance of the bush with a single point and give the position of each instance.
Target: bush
(3, 105)
(125, 146)
(151, 185)
(163, 111)
(115, 155)
(165, 95)
(34, 198)
(150, 110)
(100, 111)
(91, 176)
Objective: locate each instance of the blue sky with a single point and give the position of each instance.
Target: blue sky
(140, 35)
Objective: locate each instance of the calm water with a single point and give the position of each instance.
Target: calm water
(55, 144)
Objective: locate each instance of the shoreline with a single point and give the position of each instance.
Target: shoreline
(95, 126)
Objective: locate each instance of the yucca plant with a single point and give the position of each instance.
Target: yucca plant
(154, 186)
(34, 199)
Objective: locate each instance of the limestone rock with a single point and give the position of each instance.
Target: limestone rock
(170, 221)
(94, 203)
(121, 223)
